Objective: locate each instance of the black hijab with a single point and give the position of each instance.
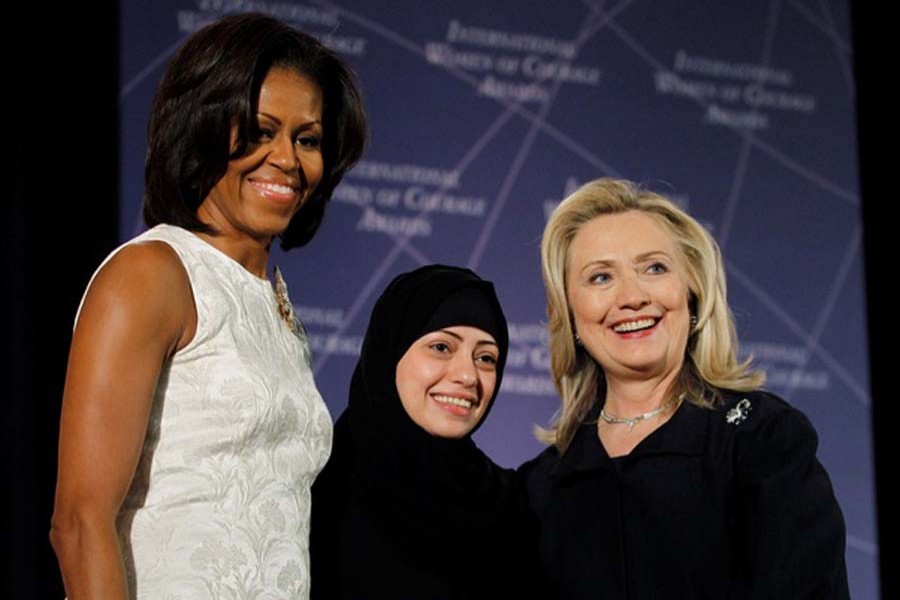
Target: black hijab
(414, 304)
(431, 500)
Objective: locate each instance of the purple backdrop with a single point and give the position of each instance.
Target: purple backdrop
(485, 114)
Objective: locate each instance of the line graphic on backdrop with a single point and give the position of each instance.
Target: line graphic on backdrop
(857, 543)
(560, 136)
(832, 33)
(766, 300)
(846, 70)
(521, 156)
(840, 278)
(765, 147)
(737, 183)
(151, 66)
(508, 182)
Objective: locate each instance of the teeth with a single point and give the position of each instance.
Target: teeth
(454, 401)
(275, 187)
(634, 325)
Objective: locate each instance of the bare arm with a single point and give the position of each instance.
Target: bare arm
(138, 312)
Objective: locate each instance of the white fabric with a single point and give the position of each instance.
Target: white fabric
(219, 506)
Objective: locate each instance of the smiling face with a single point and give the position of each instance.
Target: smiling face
(263, 189)
(628, 294)
(446, 379)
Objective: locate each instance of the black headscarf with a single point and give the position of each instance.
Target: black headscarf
(432, 500)
(414, 304)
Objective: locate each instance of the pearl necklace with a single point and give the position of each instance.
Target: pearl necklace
(632, 421)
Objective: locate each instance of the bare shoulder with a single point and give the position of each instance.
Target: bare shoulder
(143, 288)
(146, 262)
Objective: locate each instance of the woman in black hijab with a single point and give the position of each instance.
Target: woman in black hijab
(408, 506)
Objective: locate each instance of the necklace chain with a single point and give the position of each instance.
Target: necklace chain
(632, 421)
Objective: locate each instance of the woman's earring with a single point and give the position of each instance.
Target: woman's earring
(578, 340)
(693, 320)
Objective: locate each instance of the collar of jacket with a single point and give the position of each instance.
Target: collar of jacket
(684, 433)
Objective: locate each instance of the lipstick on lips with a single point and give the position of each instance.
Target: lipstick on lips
(637, 327)
(283, 192)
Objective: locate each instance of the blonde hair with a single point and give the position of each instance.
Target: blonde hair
(710, 363)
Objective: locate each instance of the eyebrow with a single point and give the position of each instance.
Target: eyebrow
(639, 258)
(651, 254)
(459, 337)
(277, 120)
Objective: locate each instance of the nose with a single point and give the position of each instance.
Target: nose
(463, 370)
(631, 293)
(283, 154)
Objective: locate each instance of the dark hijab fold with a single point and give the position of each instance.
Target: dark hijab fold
(433, 501)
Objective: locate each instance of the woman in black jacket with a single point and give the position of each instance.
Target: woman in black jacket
(670, 475)
(407, 506)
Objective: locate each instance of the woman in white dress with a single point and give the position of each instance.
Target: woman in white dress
(191, 427)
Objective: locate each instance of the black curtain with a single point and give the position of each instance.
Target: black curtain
(875, 71)
(60, 220)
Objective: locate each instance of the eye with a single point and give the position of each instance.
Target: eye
(309, 141)
(600, 278)
(488, 360)
(658, 268)
(441, 347)
(262, 134)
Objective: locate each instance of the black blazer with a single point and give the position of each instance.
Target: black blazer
(725, 503)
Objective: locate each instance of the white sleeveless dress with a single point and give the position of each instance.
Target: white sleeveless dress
(220, 502)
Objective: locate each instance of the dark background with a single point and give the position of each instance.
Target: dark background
(62, 105)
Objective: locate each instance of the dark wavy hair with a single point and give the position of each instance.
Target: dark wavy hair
(213, 83)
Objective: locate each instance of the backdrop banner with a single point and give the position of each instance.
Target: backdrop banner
(485, 114)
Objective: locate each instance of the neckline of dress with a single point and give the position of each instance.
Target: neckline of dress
(263, 281)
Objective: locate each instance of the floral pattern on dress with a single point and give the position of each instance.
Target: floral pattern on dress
(219, 505)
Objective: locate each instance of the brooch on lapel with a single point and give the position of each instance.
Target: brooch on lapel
(739, 413)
